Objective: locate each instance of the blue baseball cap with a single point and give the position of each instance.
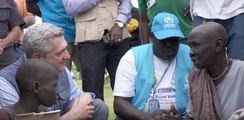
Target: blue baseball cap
(166, 25)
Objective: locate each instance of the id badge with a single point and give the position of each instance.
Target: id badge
(153, 105)
(150, 3)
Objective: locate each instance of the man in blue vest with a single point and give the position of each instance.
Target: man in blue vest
(46, 41)
(151, 79)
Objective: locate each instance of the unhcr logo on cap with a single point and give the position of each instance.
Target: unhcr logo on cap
(166, 25)
(169, 22)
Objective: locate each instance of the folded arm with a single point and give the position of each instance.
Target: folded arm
(10, 39)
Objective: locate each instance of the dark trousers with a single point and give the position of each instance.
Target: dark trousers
(94, 58)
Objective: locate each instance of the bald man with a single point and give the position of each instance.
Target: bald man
(215, 77)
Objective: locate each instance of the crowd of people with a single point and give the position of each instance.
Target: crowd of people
(165, 61)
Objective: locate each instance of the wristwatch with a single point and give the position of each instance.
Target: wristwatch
(120, 24)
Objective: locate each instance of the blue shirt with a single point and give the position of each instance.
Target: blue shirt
(53, 12)
(67, 89)
(74, 7)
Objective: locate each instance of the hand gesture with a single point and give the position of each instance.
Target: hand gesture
(83, 108)
(116, 34)
(171, 114)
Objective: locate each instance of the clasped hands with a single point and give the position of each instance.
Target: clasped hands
(83, 108)
(171, 114)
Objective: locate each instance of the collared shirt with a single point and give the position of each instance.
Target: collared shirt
(67, 89)
(74, 7)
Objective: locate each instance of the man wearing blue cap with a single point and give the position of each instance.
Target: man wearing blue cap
(151, 80)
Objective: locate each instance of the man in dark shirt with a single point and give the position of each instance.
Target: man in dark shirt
(10, 22)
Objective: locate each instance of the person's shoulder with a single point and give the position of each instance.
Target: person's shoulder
(237, 66)
(237, 63)
(142, 50)
(12, 68)
(128, 56)
(8, 73)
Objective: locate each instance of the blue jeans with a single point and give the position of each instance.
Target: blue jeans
(234, 27)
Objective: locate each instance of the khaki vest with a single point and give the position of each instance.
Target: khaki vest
(91, 24)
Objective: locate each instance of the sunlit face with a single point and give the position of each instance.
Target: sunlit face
(58, 55)
(166, 49)
(202, 49)
(47, 90)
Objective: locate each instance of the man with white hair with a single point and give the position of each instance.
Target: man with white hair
(46, 41)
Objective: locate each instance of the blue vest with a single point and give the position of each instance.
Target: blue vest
(144, 63)
(53, 12)
(63, 86)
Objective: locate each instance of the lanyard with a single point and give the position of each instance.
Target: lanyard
(165, 71)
